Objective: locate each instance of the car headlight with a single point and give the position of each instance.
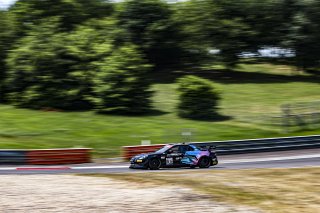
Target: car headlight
(142, 157)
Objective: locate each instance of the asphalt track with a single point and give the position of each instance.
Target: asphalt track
(283, 159)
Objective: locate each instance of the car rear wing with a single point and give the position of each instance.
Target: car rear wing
(210, 148)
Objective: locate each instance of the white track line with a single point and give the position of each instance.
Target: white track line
(100, 167)
(271, 159)
(7, 169)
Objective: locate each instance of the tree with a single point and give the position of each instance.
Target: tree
(198, 98)
(7, 37)
(49, 68)
(38, 68)
(234, 27)
(304, 35)
(151, 28)
(120, 85)
(70, 12)
(218, 25)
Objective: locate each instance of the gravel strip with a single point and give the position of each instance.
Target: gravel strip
(68, 193)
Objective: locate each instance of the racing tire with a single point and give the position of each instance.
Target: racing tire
(154, 164)
(204, 162)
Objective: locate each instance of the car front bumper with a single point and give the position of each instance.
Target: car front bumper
(138, 165)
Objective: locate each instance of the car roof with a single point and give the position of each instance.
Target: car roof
(179, 144)
(183, 144)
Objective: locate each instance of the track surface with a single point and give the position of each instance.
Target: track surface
(284, 159)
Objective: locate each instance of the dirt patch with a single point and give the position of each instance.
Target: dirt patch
(68, 193)
(273, 190)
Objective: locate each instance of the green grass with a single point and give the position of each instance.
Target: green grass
(247, 97)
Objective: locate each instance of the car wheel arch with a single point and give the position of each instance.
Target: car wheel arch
(207, 165)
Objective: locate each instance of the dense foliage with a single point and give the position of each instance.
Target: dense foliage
(120, 84)
(150, 25)
(71, 12)
(55, 69)
(79, 54)
(6, 39)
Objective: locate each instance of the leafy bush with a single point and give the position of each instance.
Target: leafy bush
(198, 98)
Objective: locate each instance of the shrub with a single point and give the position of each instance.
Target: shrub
(198, 99)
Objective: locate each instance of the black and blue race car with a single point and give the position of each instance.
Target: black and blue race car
(176, 155)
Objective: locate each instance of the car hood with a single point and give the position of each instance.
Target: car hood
(141, 155)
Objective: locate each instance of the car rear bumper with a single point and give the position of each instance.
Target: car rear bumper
(214, 161)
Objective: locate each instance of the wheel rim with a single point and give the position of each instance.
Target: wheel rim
(205, 162)
(154, 164)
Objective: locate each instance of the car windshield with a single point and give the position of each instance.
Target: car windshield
(163, 149)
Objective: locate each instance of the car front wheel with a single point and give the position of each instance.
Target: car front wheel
(154, 164)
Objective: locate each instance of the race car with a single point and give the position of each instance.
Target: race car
(176, 155)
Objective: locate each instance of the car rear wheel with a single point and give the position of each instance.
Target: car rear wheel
(154, 164)
(204, 162)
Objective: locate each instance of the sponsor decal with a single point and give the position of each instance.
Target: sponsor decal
(169, 161)
(175, 154)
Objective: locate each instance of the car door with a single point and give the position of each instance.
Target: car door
(182, 150)
(172, 156)
(179, 155)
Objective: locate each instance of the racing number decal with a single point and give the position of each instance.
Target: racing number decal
(169, 161)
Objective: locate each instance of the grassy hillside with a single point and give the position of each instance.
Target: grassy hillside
(250, 94)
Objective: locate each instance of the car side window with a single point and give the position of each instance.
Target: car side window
(190, 148)
(174, 149)
(183, 149)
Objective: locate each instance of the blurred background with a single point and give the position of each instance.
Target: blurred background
(104, 74)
